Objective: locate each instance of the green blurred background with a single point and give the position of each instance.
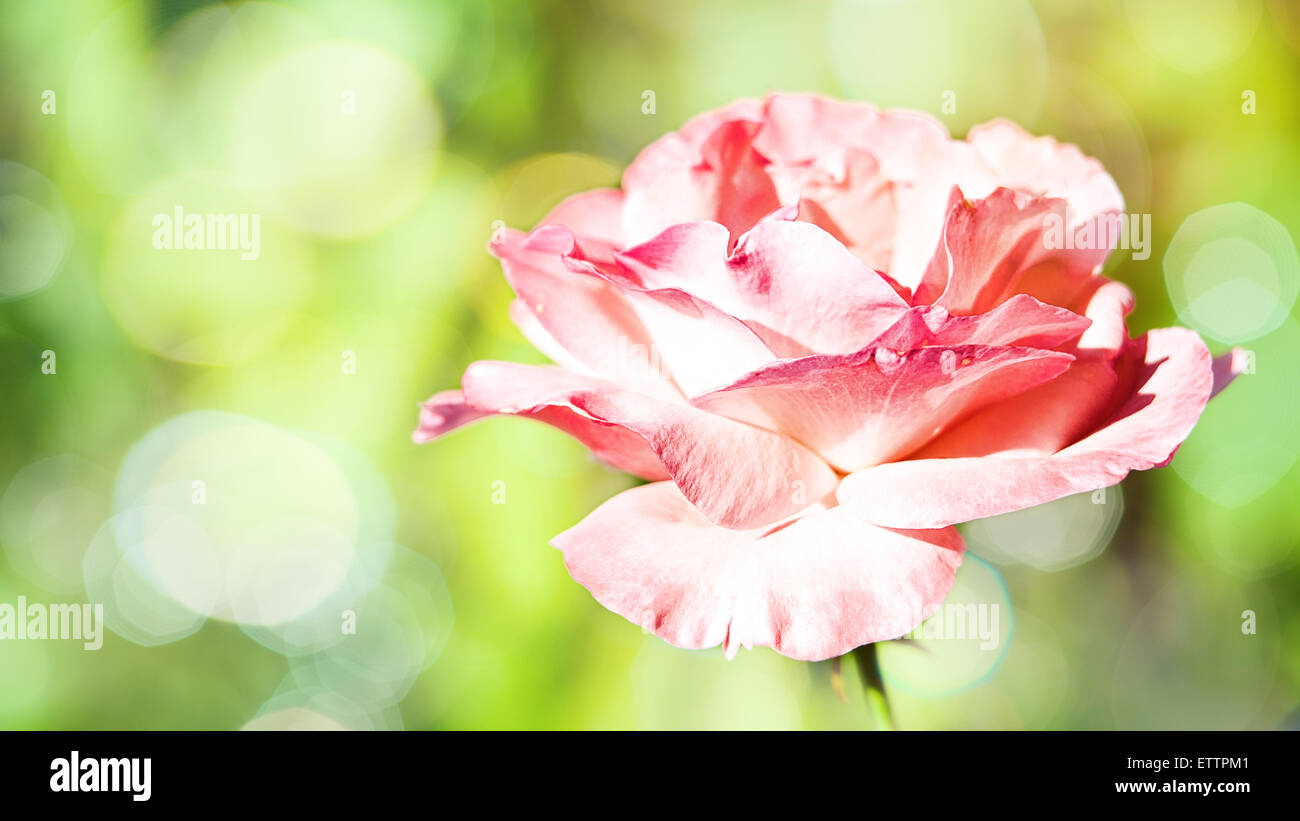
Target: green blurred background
(271, 400)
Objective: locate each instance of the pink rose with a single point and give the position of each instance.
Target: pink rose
(826, 334)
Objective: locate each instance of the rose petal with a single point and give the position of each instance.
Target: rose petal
(1169, 373)
(1228, 367)
(540, 338)
(682, 147)
(446, 411)
(913, 153)
(722, 179)
(808, 128)
(585, 315)
(1040, 421)
(1046, 168)
(1053, 415)
(701, 347)
(697, 345)
(442, 413)
(1106, 303)
(792, 283)
(875, 405)
(857, 209)
(738, 475)
(812, 590)
(596, 218)
(1021, 320)
(991, 245)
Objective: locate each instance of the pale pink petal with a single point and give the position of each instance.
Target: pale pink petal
(923, 209)
(621, 448)
(791, 282)
(540, 338)
(878, 180)
(596, 218)
(442, 413)
(857, 209)
(807, 128)
(924, 203)
(1106, 303)
(676, 159)
(1038, 422)
(738, 475)
(682, 147)
(1046, 417)
(584, 315)
(866, 408)
(702, 126)
(1021, 320)
(918, 166)
(726, 181)
(1228, 367)
(698, 345)
(1050, 416)
(1170, 375)
(812, 590)
(694, 343)
(992, 246)
(1046, 168)
(1053, 415)
(1064, 277)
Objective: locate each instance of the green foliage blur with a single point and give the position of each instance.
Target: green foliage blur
(373, 229)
